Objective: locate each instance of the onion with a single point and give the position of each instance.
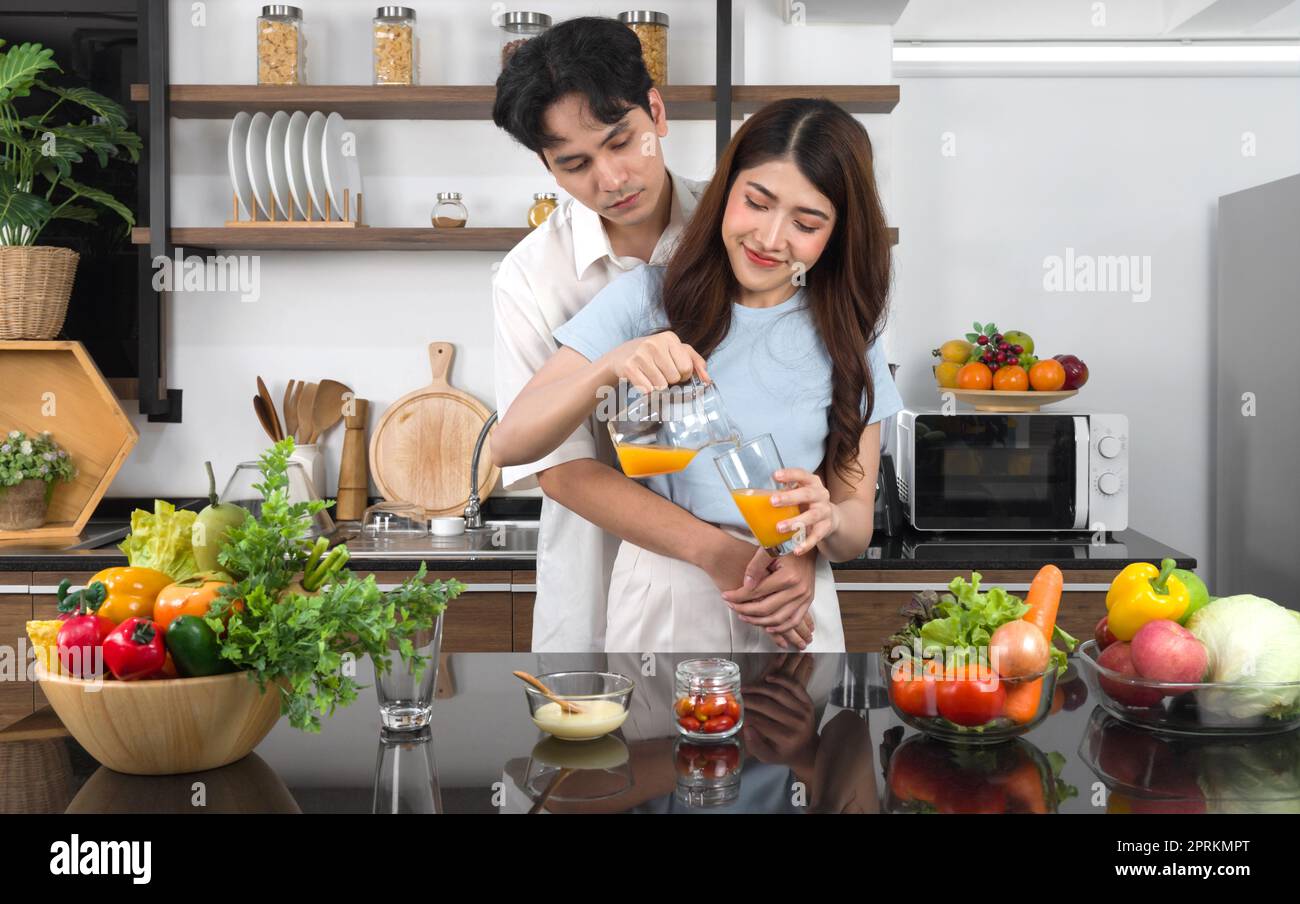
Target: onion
(1018, 649)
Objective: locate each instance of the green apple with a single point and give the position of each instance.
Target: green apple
(1024, 340)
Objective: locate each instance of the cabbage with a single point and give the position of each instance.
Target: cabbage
(1250, 641)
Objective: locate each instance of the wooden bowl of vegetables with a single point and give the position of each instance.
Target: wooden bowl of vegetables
(164, 727)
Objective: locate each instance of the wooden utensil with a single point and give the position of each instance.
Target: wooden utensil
(354, 480)
(264, 417)
(291, 409)
(328, 408)
(422, 445)
(270, 407)
(566, 705)
(306, 405)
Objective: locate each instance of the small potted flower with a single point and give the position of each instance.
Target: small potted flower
(28, 469)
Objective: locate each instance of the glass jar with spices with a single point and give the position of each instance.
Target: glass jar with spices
(706, 700)
(518, 28)
(652, 29)
(281, 48)
(544, 204)
(450, 211)
(394, 46)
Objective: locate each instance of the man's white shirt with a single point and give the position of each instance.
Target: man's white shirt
(544, 280)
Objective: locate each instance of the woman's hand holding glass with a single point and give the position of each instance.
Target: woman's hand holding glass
(657, 362)
(818, 517)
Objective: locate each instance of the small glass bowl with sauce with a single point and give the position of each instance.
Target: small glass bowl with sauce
(602, 700)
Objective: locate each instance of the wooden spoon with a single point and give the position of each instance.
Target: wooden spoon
(328, 409)
(291, 409)
(264, 416)
(565, 705)
(306, 404)
(270, 407)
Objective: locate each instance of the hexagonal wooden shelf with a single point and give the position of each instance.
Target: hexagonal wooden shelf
(55, 386)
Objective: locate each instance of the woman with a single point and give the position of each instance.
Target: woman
(776, 290)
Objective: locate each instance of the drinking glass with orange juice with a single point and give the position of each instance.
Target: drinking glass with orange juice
(747, 469)
(661, 432)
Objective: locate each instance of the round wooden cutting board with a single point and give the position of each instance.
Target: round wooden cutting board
(421, 449)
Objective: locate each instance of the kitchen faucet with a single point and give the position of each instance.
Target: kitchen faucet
(473, 511)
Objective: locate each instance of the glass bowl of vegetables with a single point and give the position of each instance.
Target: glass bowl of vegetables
(1249, 705)
(967, 702)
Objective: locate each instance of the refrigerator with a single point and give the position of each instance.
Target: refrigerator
(1256, 494)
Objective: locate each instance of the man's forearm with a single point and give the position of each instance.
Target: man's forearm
(628, 510)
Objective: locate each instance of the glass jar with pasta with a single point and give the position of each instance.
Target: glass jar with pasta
(652, 29)
(394, 46)
(281, 49)
(517, 29)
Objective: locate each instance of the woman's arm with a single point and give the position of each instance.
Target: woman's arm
(838, 519)
(564, 391)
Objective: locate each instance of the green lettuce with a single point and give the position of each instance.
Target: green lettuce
(161, 540)
(968, 618)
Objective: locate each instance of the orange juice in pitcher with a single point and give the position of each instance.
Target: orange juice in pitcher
(652, 460)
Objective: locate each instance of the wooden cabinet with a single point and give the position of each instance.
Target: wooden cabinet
(16, 700)
(523, 595)
(481, 619)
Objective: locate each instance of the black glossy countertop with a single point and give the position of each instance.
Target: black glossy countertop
(819, 735)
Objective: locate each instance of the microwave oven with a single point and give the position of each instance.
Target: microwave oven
(1013, 471)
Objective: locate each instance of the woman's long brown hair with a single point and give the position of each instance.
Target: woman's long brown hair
(847, 289)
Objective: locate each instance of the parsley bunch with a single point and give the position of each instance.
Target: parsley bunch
(307, 643)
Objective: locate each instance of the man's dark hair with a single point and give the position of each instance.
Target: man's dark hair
(595, 57)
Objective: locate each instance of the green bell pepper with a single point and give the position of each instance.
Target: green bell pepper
(195, 648)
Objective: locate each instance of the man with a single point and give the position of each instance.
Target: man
(580, 98)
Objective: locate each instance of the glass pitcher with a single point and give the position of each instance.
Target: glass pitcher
(660, 432)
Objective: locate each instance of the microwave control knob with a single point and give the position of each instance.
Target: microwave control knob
(1108, 483)
(1109, 447)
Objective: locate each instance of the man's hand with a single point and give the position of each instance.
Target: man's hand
(777, 596)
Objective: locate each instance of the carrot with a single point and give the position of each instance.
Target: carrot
(1022, 701)
(1044, 599)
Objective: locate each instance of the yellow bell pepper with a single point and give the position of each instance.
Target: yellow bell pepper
(131, 592)
(1142, 593)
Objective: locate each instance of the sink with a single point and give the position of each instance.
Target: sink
(494, 540)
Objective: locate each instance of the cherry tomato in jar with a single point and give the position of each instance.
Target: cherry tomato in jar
(684, 706)
(971, 701)
(690, 723)
(733, 707)
(718, 724)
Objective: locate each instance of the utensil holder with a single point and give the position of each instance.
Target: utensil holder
(309, 455)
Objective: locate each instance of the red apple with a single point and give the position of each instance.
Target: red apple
(1164, 650)
(1102, 634)
(1118, 658)
(1076, 372)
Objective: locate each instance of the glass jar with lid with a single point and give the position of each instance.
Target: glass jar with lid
(652, 29)
(393, 46)
(450, 211)
(518, 28)
(543, 206)
(707, 703)
(281, 48)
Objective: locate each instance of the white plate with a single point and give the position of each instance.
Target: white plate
(311, 145)
(237, 164)
(275, 165)
(294, 170)
(255, 151)
(342, 170)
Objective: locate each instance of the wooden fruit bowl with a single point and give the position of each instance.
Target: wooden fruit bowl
(164, 727)
(1009, 399)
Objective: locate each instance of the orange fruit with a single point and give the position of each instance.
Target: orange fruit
(1011, 378)
(945, 374)
(1047, 375)
(974, 376)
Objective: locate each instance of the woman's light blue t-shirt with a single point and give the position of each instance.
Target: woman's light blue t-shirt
(772, 369)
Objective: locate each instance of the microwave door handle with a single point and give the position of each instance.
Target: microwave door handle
(1082, 468)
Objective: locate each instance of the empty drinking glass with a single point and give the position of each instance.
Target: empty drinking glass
(405, 698)
(406, 776)
(748, 468)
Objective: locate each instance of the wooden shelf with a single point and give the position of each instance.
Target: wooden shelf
(365, 238)
(462, 102)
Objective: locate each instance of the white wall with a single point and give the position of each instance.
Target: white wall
(1106, 166)
(365, 318)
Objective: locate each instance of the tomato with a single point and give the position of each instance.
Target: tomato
(708, 707)
(914, 690)
(718, 724)
(690, 723)
(684, 706)
(971, 701)
(733, 708)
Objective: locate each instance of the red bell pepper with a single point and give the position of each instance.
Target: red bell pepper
(135, 649)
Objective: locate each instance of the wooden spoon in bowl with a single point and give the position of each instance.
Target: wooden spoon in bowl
(565, 705)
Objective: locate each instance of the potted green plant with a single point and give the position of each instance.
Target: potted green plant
(37, 153)
(28, 468)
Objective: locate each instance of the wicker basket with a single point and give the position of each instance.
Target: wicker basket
(35, 284)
